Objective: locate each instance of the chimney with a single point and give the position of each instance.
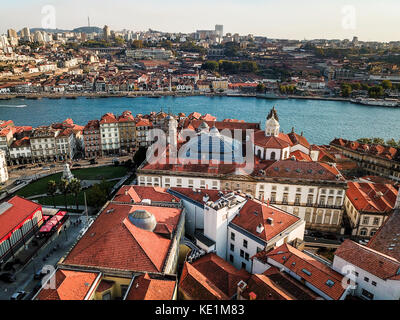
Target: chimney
(206, 198)
(260, 228)
(240, 288)
(252, 296)
(126, 192)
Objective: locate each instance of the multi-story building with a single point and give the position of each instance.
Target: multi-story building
(312, 191)
(368, 205)
(143, 126)
(66, 144)
(6, 138)
(20, 151)
(3, 167)
(373, 275)
(304, 268)
(234, 226)
(43, 144)
(374, 159)
(127, 132)
(109, 134)
(92, 139)
(143, 236)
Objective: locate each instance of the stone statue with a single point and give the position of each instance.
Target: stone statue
(67, 174)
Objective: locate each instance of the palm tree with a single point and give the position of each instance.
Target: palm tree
(75, 188)
(52, 190)
(63, 186)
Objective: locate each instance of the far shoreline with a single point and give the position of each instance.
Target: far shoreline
(156, 94)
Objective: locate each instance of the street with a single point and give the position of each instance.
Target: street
(25, 280)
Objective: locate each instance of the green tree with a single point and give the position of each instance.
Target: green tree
(387, 84)
(75, 188)
(260, 88)
(98, 195)
(346, 90)
(365, 140)
(52, 190)
(210, 66)
(392, 143)
(63, 186)
(378, 141)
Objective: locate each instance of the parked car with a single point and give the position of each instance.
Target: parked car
(39, 274)
(52, 166)
(93, 161)
(330, 237)
(76, 165)
(8, 277)
(363, 242)
(316, 234)
(18, 295)
(46, 168)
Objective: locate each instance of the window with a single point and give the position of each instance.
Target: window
(298, 190)
(246, 256)
(367, 294)
(231, 258)
(244, 265)
(232, 236)
(242, 253)
(363, 232)
(376, 221)
(311, 190)
(124, 288)
(373, 283)
(259, 249)
(107, 296)
(245, 243)
(232, 247)
(366, 220)
(366, 279)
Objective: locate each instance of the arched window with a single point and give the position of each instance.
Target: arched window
(373, 231)
(363, 232)
(273, 155)
(259, 153)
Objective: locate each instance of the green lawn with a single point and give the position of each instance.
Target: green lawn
(59, 198)
(99, 173)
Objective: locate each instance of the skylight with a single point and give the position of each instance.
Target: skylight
(306, 272)
(330, 283)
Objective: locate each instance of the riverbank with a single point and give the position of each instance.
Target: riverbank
(156, 94)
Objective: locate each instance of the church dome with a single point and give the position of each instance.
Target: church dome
(213, 146)
(143, 220)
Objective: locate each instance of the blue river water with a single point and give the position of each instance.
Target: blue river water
(321, 121)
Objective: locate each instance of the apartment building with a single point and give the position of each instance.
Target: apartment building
(109, 134)
(3, 167)
(92, 139)
(43, 144)
(66, 144)
(127, 132)
(373, 275)
(142, 133)
(374, 159)
(20, 151)
(368, 205)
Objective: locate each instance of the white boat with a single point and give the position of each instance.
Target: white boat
(377, 102)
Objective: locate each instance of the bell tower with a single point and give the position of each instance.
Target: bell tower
(272, 126)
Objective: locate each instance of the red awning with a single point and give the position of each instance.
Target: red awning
(52, 222)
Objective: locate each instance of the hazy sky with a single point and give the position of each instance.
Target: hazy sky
(294, 19)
